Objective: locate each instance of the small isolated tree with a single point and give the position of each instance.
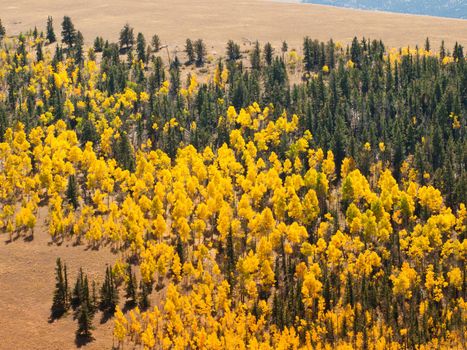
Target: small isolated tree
(61, 298)
(84, 322)
(233, 51)
(93, 301)
(284, 48)
(427, 44)
(127, 38)
(442, 51)
(2, 30)
(123, 152)
(39, 53)
(58, 55)
(78, 297)
(200, 51)
(255, 57)
(72, 192)
(141, 47)
(68, 32)
(156, 43)
(109, 293)
(50, 36)
(98, 44)
(79, 48)
(190, 51)
(131, 287)
(268, 53)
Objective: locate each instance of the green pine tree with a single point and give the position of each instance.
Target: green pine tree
(190, 51)
(77, 298)
(131, 287)
(141, 47)
(109, 293)
(68, 32)
(2, 30)
(61, 302)
(156, 43)
(84, 322)
(268, 53)
(200, 51)
(50, 36)
(72, 192)
(127, 38)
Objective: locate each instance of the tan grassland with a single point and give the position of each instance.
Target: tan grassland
(216, 21)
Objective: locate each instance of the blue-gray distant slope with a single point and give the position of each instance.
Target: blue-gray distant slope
(442, 8)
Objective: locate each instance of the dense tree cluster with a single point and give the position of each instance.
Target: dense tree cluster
(257, 213)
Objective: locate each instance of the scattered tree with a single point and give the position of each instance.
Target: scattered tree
(68, 32)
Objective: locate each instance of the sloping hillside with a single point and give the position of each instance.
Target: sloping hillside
(216, 21)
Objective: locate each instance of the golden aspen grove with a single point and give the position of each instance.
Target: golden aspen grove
(274, 198)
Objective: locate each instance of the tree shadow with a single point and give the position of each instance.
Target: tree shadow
(82, 340)
(28, 238)
(129, 305)
(55, 315)
(12, 239)
(106, 315)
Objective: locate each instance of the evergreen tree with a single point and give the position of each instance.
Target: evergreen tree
(427, 44)
(308, 54)
(144, 292)
(21, 54)
(355, 52)
(58, 55)
(72, 192)
(233, 51)
(330, 58)
(190, 51)
(127, 38)
(50, 36)
(61, 302)
(458, 52)
(200, 51)
(442, 51)
(123, 152)
(78, 297)
(4, 124)
(285, 47)
(68, 32)
(39, 53)
(98, 44)
(255, 57)
(94, 301)
(79, 48)
(174, 77)
(84, 322)
(268, 53)
(89, 133)
(156, 43)
(2, 30)
(109, 293)
(141, 47)
(159, 73)
(131, 287)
